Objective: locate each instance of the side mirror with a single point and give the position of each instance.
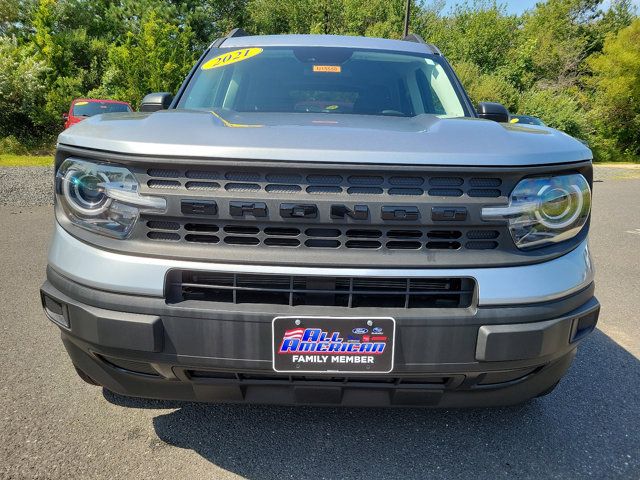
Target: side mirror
(156, 101)
(65, 116)
(493, 111)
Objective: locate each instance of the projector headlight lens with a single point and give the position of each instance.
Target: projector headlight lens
(101, 197)
(545, 210)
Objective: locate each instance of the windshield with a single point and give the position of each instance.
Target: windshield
(89, 109)
(323, 80)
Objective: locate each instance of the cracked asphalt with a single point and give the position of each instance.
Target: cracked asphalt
(52, 425)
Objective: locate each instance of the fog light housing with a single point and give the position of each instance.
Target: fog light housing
(55, 311)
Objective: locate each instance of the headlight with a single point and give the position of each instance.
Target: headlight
(102, 197)
(545, 210)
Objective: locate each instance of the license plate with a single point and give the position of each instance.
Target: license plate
(333, 344)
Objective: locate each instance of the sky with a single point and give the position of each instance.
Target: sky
(519, 6)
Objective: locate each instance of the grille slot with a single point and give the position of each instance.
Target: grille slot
(200, 227)
(162, 172)
(399, 245)
(242, 187)
(483, 234)
(172, 184)
(366, 180)
(406, 191)
(281, 242)
(484, 192)
(195, 238)
(406, 181)
(485, 182)
(404, 234)
(242, 176)
(202, 174)
(164, 236)
(271, 188)
(347, 292)
(445, 181)
(319, 243)
(323, 190)
(163, 225)
(445, 192)
(355, 233)
(202, 185)
(365, 191)
(362, 244)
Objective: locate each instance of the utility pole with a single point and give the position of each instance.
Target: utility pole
(407, 13)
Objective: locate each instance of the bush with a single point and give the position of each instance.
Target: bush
(486, 87)
(12, 145)
(616, 82)
(22, 88)
(557, 109)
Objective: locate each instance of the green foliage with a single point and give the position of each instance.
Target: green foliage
(375, 18)
(11, 145)
(154, 59)
(478, 32)
(616, 81)
(22, 87)
(557, 108)
(487, 87)
(573, 63)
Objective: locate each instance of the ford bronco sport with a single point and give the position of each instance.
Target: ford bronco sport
(321, 220)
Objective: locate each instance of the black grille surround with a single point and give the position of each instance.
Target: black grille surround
(297, 290)
(424, 238)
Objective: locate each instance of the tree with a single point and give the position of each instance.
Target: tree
(155, 59)
(22, 86)
(616, 89)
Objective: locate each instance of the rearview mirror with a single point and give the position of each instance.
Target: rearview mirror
(65, 116)
(493, 111)
(156, 101)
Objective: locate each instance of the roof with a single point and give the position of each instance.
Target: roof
(96, 100)
(326, 41)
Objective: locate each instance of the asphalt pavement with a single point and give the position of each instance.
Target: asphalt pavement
(52, 425)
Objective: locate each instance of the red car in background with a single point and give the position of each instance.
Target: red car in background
(82, 108)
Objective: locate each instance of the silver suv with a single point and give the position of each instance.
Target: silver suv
(321, 220)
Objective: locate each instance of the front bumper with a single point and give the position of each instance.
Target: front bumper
(515, 343)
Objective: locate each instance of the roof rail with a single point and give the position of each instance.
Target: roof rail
(414, 37)
(236, 32)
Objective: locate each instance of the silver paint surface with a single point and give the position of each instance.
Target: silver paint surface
(364, 139)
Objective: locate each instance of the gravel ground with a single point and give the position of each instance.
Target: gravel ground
(26, 186)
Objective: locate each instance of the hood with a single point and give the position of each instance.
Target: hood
(337, 138)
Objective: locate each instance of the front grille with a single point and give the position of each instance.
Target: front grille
(313, 184)
(325, 213)
(292, 290)
(322, 236)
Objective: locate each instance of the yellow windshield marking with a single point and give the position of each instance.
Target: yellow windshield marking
(231, 57)
(234, 125)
